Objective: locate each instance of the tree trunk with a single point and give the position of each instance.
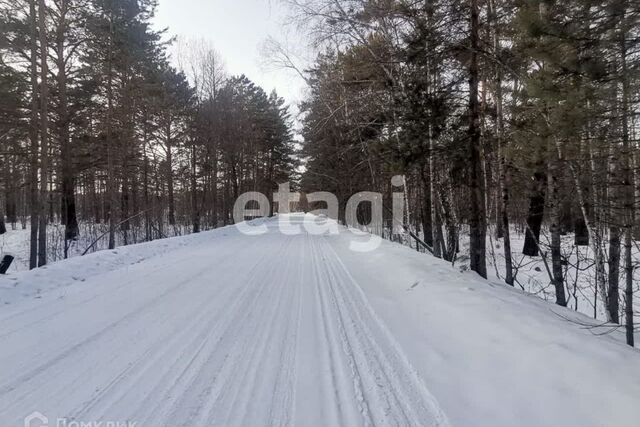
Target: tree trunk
(44, 135)
(536, 213)
(502, 197)
(111, 172)
(427, 222)
(436, 224)
(172, 206)
(582, 234)
(556, 241)
(68, 199)
(477, 214)
(579, 224)
(613, 219)
(125, 226)
(194, 190)
(629, 288)
(629, 194)
(613, 292)
(33, 136)
(506, 232)
(450, 220)
(10, 192)
(214, 186)
(147, 201)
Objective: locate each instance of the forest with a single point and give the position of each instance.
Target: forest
(507, 118)
(98, 127)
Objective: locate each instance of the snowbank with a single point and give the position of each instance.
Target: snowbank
(493, 355)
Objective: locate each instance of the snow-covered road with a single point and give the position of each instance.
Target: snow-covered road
(225, 329)
(269, 330)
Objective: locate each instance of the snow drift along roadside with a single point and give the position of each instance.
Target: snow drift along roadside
(493, 355)
(56, 276)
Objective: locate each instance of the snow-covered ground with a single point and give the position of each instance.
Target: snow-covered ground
(16, 243)
(578, 270)
(91, 236)
(224, 329)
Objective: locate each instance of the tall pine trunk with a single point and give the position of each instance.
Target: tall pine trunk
(613, 292)
(170, 185)
(477, 214)
(111, 178)
(195, 207)
(436, 223)
(629, 192)
(33, 136)
(68, 199)
(44, 135)
(556, 241)
(427, 229)
(536, 212)
(502, 198)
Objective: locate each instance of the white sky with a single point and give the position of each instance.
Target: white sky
(237, 29)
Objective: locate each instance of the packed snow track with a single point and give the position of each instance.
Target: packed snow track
(262, 331)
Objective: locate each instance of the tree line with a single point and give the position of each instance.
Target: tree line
(98, 127)
(505, 116)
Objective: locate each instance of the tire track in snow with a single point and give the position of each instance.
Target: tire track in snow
(267, 327)
(247, 355)
(218, 372)
(143, 314)
(27, 376)
(348, 401)
(181, 336)
(396, 394)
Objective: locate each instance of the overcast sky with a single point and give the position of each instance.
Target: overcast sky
(237, 29)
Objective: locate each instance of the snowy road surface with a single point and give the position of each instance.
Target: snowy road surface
(270, 331)
(224, 329)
